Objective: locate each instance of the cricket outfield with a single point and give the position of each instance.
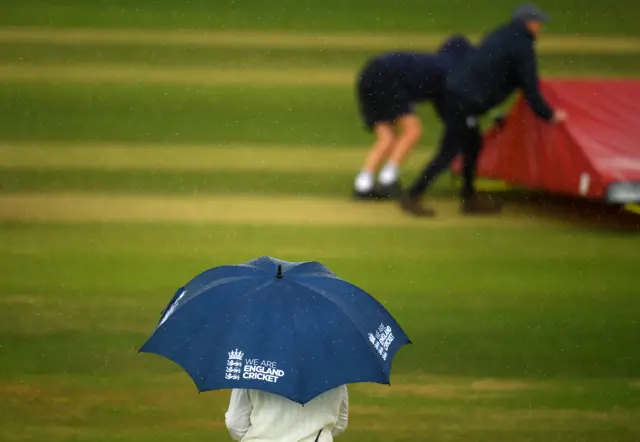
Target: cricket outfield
(128, 164)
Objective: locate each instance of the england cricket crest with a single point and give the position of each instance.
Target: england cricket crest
(382, 340)
(234, 365)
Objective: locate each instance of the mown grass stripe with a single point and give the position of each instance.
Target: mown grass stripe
(107, 156)
(105, 73)
(243, 209)
(370, 41)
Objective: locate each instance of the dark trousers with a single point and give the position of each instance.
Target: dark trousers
(461, 135)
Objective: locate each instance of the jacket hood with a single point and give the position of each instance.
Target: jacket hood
(457, 45)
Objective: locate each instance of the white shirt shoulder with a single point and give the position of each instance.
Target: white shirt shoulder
(257, 415)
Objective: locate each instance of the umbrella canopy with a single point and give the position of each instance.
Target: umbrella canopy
(290, 328)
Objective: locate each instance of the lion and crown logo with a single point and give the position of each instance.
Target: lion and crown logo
(234, 365)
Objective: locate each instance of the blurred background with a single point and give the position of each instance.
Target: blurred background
(144, 141)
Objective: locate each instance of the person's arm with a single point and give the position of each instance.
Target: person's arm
(237, 418)
(528, 75)
(343, 415)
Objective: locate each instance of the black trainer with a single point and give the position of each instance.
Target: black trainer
(372, 195)
(391, 191)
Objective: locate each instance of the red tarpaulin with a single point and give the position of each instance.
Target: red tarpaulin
(594, 154)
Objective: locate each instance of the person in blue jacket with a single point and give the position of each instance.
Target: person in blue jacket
(503, 62)
(389, 87)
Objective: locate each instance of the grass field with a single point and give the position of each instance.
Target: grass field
(594, 17)
(133, 157)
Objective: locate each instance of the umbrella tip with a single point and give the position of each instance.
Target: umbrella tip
(279, 274)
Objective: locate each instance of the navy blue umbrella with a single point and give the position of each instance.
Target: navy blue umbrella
(290, 328)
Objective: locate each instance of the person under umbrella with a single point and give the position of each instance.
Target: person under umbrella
(257, 415)
(286, 338)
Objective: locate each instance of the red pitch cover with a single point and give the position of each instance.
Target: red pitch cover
(595, 154)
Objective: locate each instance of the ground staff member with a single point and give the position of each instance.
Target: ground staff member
(388, 88)
(503, 62)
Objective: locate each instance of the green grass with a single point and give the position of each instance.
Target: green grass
(179, 113)
(559, 290)
(194, 114)
(571, 17)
